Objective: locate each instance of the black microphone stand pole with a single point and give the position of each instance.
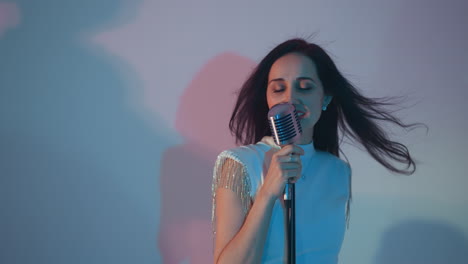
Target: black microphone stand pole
(290, 204)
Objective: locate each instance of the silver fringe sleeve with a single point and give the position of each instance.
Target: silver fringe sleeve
(230, 173)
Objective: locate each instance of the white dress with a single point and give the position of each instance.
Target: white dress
(322, 195)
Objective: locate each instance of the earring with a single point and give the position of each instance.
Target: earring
(326, 102)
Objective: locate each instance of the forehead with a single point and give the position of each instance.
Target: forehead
(291, 66)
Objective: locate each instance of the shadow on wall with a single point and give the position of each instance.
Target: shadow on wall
(77, 165)
(422, 242)
(202, 118)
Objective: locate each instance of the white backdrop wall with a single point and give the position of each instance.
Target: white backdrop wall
(113, 111)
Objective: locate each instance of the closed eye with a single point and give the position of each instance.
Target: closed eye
(306, 88)
(278, 90)
(306, 84)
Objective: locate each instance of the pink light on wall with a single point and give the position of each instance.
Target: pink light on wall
(186, 171)
(206, 105)
(9, 17)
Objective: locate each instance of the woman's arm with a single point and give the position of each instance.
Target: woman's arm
(236, 240)
(240, 238)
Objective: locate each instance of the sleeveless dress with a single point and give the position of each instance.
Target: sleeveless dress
(322, 195)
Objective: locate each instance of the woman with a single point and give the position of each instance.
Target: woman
(249, 181)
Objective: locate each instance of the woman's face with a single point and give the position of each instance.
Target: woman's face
(293, 78)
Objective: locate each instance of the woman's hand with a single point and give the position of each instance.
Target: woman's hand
(285, 165)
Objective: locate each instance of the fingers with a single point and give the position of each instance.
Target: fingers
(291, 174)
(285, 166)
(290, 149)
(290, 165)
(289, 162)
(289, 158)
(291, 177)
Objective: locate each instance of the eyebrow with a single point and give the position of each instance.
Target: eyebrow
(298, 78)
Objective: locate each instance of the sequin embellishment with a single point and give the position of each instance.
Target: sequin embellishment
(230, 173)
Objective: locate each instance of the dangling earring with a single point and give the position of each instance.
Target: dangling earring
(324, 108)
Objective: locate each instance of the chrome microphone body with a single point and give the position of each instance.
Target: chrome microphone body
(284, 124)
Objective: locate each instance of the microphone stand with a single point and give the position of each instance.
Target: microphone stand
(290, 204)
(286, 129)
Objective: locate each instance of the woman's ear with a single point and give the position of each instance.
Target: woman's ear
(326, 100)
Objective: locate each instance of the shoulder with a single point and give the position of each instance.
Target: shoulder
(246, 153)
(250, 158)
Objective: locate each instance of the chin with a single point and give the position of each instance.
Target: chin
(306, 123)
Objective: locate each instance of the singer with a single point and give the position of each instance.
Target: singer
(249, 181)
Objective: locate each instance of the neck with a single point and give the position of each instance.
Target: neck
(306, 138)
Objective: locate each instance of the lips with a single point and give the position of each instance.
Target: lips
(302, 114)
(302, 111)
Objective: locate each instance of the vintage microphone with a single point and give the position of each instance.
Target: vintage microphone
(286, 129)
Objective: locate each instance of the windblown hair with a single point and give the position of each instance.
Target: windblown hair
(355, 116)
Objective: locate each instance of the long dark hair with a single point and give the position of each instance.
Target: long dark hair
(350, 113)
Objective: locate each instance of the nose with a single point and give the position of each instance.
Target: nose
(291, 96)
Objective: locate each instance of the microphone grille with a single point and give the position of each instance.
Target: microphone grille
(284, 124)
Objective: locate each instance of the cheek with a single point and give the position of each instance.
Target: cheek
(315, 108)
(270, 101)
(317, 102)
